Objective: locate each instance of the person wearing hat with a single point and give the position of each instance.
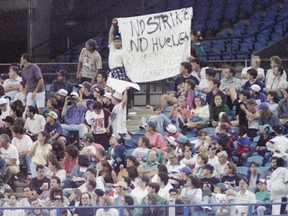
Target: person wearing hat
(266, 116)
(99, 124)
(85, 92)
(34, 83)
(119, 113)
(278, 145)
(60, 83)
(90, 62)
(120, 191)
(209, 180)
(97, 92)
(54, 128)
(106, 100)
(4, 107)
(257, 95)
(116, 54)
(263, 196)
(266, 134)
(12, 85)
(90, 148)
(74, 115)
(155, 138)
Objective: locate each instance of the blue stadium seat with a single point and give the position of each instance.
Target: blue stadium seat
(262, 169)
(136, 137)
(242, 170)
(257, 159)
(130, 143)
(210, 130)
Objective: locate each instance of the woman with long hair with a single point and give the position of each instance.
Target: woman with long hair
(108, 174)
(55, 169)
(40, 152)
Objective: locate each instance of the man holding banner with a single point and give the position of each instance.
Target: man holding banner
(116, 55)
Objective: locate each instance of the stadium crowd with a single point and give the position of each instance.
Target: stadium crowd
(72, 143)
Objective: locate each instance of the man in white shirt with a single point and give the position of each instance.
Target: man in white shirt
(164, 185)
(12, 85)
(116, 54)
(34, 123)
(197, 71)
(278, 145)
(277, 82)
(118, 115)
(10, 154)
(274, 62)
(23, 143)
(141, 190)
(255, 63)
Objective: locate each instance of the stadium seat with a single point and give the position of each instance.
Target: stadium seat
(136, 137)
(210, 130)
(242, 170)
(262, 169)
(257, 159)
(130, 143)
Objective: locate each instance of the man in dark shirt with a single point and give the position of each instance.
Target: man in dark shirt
(85, 201)
(185, 74)
(60, 83)
(53, 127)
(40, 183)
(85, 92)
(34, 84)
(209, 180)
(215, 91)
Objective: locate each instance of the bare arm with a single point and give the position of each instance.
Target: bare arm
(39, 84)
(64, 110)
(79, 67)
(125, 98)
(111, 31)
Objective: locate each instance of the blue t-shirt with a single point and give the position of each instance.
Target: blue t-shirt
(52, 129)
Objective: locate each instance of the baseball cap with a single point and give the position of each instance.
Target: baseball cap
(222, 186)
(117, 95)
(263, 106)
(171, 140)
(266, 128)
(3, 101)
(108, 95)
(181, 139)
(256, 88)
(209, 167)
(261, 181)
(186, 170)
(121, 184)
(74, 94)
(86, 84)
(171, 129)
(62, 73)
(9, 119)
(88, 137)
(279, 129)
(52, 114)
(62, 92)
(89, 102)
(4, 76)
(95, 88)
(117, 37)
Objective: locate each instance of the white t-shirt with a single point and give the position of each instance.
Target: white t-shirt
(90, 63)
(139, 194)
(7, 82)
(24, 144)
(41, 153)
(202, 74)
(111, 211)
(118, 118)
(115, 57)
(97, 122)
(259, 70)
(5, 113)
(10, 153)
(140, 153)
(35, 125)
(270, 75)
(280, 143)
(164, 192)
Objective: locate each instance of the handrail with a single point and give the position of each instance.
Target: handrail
(121, 208)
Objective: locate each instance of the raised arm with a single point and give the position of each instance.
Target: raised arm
(111, 31)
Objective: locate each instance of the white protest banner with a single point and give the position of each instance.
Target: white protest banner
(155, 44)
(120, 85)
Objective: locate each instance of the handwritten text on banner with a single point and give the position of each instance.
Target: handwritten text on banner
(155, 44)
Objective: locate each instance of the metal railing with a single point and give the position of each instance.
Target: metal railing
(169, 209)
(148, 90)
